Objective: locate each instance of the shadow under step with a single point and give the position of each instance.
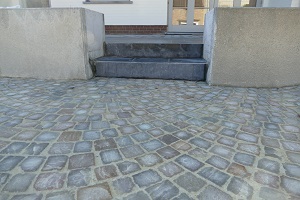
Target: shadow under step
(152, 68)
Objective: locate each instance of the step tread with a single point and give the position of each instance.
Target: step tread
(151, 60)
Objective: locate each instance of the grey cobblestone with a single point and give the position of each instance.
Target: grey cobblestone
(147, 139)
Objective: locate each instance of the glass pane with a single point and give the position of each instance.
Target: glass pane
(248, 3)
(225, 3)
(179, 16)
(199, 16)
(180, 3)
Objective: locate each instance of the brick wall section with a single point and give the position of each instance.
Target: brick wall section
(135, 29)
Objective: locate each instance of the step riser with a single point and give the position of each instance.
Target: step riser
(154, 50)
(178, 71)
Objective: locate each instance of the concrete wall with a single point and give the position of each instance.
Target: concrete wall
(49, 43)
(25, 3)
(253, 47)
(140, 12)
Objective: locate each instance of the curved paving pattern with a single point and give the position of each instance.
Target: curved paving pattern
(147, 139)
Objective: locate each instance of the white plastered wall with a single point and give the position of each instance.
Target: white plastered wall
(141, 12)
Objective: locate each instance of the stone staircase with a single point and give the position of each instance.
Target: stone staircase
(163, 60)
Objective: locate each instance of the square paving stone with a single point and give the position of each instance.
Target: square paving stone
(213, 193)
(163, 190)
(132, 151)
(49, 181)
(190, 182)
(218, 162)
(227, 141)
(270, 142)
(110, 156)
(91, 135)
(125, 130)
(55, 163)
(292, 170)
(19, 183)
(268, 193)
(183, 135)
(168, 139)
(149, 160)
(109, 133)
(79, 177)
(293, 157)
(32, 163)
(238, 170)
(35, 148)
(269, 165)
(15, 147)
(61, 148)
(146, 178)
(106, 172)
(266, 179)
(152, 145)
(156, 132)
(200, 143)
(240, 188)
(123, 185)
(28, 197)
(26, 135)
(128, 167)
(249, 148)
(137, 196)
(291, 146)
(3, 178)
(209, 136)
(65, 195)
(99, 192)
(181, 146)
(247, 137)
(214, 175)
(85, 146)
(69, 136)
(244, 159)
(124, 141)
(105, 144)
(291, 185)
(81, 161)
(189, 162)
(10, 162)
(224, 152)
(228, 132)
(139, 137)
(47, 136)
(168, 152)
(170, 169)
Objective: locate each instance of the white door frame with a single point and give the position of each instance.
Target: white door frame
(189, 27)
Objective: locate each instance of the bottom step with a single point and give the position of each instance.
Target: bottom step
(193, 69)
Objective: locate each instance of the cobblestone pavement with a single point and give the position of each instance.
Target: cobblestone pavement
(147, 139)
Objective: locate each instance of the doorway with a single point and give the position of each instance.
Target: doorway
(187, 16)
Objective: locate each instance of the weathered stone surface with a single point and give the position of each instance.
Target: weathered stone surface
(149, 160)
(19, 183)
(146, 178)
(244, 159)
(49, 181)
(168, 152)
(190, 182)
(60, 195)
(55, 163)
(132, 151)
(79, 177)
(28, 197)
(123, 185)
(241, 188)
(266, 179)
(164, 190)
(268, 193)
(9, 163)
(238, 170)
(105, 144)
(61, 148)
(269, 165)
(106, 172)
(152, 145)
(101, 192)
(290, 185)
(32, 163)
(214, 175)
(218, 162)
(81, 161)
(170, 169)
(128, 167)
(222, 151)
(110, 156)
(292, 170)
(137, 196)
(189, 162)
(212, 193)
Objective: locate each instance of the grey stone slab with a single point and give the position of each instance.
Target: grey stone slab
(241, 188)
(32, 163)
(61, 196)
(123, 185)
(79, 178)
(128, 167)
(214, 175)
(137, 196)
(146, 178)
(189, 162)
(164, 190)
(213, 193)
(19, 183)
(190, 182)
(28, 197)
(109, 156)
(10, 162)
